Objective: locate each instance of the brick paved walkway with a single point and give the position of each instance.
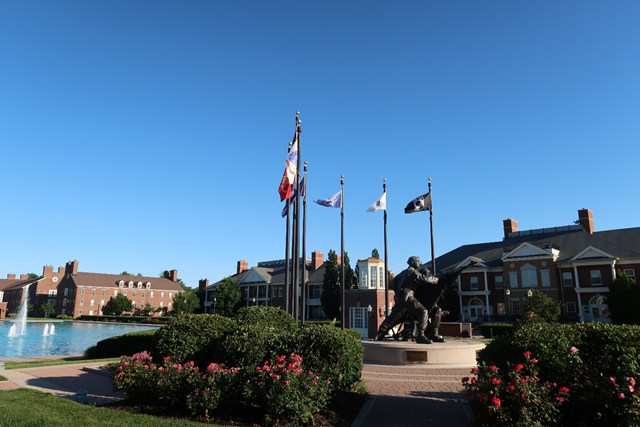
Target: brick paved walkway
(408, 396)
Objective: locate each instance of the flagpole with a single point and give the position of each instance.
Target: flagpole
(386, 256)
(296, 298)
(286, 258)
(304, 245)
(433, 256)
(342, 260)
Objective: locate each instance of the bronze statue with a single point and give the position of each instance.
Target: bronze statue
(416, 288)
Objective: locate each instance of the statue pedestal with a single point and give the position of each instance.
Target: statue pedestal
(450, 354)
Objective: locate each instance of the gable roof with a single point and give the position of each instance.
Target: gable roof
(17, 283)
(100, 280)
(272, 272)
(622, 243)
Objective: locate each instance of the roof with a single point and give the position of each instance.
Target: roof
(370, 259)
(622, 243)
(274, 273)
(11, 284)
(111, 281)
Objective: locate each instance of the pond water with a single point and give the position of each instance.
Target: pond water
(69, 338)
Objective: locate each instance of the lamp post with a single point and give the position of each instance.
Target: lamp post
(369, 309)
(214, 305)
(253, 300)
(508, 293)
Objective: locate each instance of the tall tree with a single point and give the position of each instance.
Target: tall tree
(32, 276)
(227, 296)
(185, 302)
(47, 308)
(624, 297)
(542, 306)
(350, 277)
(331, 296)
(375, 254)
(119, 305)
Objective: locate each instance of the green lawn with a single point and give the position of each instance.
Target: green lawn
(30, 408)
(53, 362)
(3, 378)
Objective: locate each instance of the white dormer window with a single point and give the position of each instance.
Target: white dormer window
(139, 285)
(148, 285)
(130, 284)
(121, 284)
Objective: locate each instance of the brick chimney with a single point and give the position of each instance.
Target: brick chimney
(339, 259)
(72, 267)
(24, 276)
(317, 258)
(242, 266)
(510, 226)
(585, 217)
(203, 283)
(47, 269)
(11, 276)
(171, 275)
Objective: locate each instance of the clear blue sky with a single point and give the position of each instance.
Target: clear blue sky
(151, 135)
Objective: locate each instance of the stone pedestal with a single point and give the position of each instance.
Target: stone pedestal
(454, 353)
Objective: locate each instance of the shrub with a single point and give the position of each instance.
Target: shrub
(272, 317)
(122, 345)
(332, 353)
(598, 363)
(193, 337)
(286, 392)
(497, 328)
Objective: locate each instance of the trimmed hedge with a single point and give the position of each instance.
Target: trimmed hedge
(599, 363)
(122, 345)
(124, 319)
(497, 328)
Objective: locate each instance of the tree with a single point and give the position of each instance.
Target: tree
(185, 302)
(375, 254)
(180, 282)
(624, 295)
(542, 306)
(147, 309)
(350, 277)
(119, 304)
(32, 276)
(47, 308)
(228, 296)
(331, 297)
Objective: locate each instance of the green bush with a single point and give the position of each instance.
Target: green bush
(266, 316)
(355, 334)
(64, 317)
(497, 328)
(332, 353)
(193, 337)
(122, 345)
(598, 363)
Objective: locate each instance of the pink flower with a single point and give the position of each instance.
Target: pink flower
(631, 389)
(563, 390)
(473, 380)
(559, 399)
(493, 368)
(533, 360)
(621, 395)
(511, 388)
(527, 353)
(631, 380)
(519, 367)
(287, 382)
(573, 349)
(495, 381)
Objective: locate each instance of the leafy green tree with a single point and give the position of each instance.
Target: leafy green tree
(624, 297)
(47, 308)
(228, 296)
(32, 276)
(147, 309)
(331, 297)
(542, 306)
(125, 273)
(119, 305)
(375, 254)
(185, 302)
(350, 277)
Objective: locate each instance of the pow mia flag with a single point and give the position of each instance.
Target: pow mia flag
(419, 204)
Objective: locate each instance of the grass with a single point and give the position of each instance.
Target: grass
(54, 362)
(3, 378)
(46, 410)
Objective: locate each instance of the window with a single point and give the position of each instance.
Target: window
(500, 309)
(513, 279)
(64, 302)
(101, 302)
(499, 284)
(161, 304)
(143, 293)
(92, 303)
(381, 284)
(374, 277)
(130, 284)
(169, 306)
(82, 291)
(596, 279)
(317, 292)
(80, 313)
(567, 279)
(515, 306)
(66, 291)
(571, 309)
(53, 292)
(115, 293)
(139, 285)
(545, 278)
(134, 293)
(280, 291)
(121, 284)
(170, 295)
(151, 293)
(161, 294)
(274, 292)
(529, 277)
(474, 283)
(631, 273)
(125, 293)
(81, 302)
(93, 291)
(104, 292)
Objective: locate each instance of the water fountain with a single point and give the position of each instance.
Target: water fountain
(45, 332)
(21, 322)
(12, 331)
(52, 330)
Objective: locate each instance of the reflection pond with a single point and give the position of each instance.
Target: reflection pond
(70, 338)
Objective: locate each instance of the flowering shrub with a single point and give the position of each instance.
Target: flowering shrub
(285, 391)
(514, 397)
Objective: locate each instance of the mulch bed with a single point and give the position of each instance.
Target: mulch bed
(341, 412)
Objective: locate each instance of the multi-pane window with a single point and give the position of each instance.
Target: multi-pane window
(571, 308)
(81, 302)
(513, 279)
(374, 277)
(93, 291)
(596, 279)
(545, 278)
(104, 292)
(92, 303)
(134, 293)
(82, 291)
(474, 283)
(125, 293)
(631, 273)
(381, 271)
(529, 278)
(515, 306)
(499, 283)
(280, 291)
(567, 279)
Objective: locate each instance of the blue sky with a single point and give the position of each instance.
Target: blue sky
(151, 135)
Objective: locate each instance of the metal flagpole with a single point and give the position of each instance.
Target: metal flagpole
(433, 256)
(342, 261)
(386, 256)
(304, 244)
(296, 300)
(286, 254)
